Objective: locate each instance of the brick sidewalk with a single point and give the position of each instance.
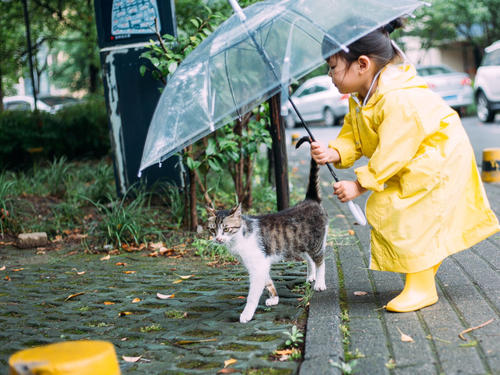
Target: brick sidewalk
(469, 295)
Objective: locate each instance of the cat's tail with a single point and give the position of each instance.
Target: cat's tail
(313, 191)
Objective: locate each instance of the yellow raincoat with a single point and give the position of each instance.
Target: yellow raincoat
(428, 201)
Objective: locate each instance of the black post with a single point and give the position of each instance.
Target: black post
(277, 130)
(30, 54)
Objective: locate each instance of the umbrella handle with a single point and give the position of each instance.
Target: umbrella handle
(357, 212)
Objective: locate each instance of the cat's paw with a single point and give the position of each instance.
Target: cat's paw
(319, 286)
(246, 316)
(271, 301)
(310, 279)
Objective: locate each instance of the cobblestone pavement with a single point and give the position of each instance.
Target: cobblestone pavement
(469, 295)
(192, 333)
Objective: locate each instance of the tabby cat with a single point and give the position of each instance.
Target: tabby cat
(260, 241)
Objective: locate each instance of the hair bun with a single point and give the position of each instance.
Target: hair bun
(393, 25)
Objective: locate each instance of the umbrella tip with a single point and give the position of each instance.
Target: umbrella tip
(139, 174)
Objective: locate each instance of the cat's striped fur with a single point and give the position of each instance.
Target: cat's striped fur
(260, 241)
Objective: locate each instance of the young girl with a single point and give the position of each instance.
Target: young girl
(427, 199)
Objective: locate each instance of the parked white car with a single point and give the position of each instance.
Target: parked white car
(487, 84)
(46, 103)
(317, 99)
(454, 87)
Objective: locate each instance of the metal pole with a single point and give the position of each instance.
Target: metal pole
(30, 54)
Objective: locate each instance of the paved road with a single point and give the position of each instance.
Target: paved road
(468, 287)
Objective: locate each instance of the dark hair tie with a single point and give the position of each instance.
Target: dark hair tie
(389, 28)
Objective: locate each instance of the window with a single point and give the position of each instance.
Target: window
(492, 58)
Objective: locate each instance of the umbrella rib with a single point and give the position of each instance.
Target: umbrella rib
(230, 85)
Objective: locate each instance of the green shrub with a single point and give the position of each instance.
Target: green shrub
(76, 132)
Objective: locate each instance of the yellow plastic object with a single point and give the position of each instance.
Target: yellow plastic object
(66, 358)
(419, 292)
(491, 165)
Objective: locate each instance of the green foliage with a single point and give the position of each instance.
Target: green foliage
(6, 190)
(77, 131)
(347, 368)
(474, 21)
(209, 249)
(295, 337)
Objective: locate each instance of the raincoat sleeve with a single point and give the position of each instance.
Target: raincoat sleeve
(345, 145)
(400, 134)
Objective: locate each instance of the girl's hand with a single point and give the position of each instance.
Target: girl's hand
(322, 154)
(347, 190)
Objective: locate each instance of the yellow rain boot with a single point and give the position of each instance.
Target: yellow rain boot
(66, 358)
(419, 292)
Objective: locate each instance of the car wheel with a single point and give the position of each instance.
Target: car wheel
(484, 112)
(328, 117)
(289, 121)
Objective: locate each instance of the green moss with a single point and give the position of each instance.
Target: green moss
(203, 308)
(261, 338)
(238, 347)
(202, 333)
(199, 365)
(176, 314)
(269, 371)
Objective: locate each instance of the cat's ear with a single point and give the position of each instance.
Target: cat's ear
(210, 211)
(236, 211)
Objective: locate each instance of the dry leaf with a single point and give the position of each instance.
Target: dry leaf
(2, 269)
(17, 269)
(229, 362)
(107, 257)
(153, 254)
(131, 359)
(128, 272)
(80, 273)
(284, 352)
(124, 313)
(120, 264)
(108, 303)
(405, 337)
(186, 277)
(7, 278)
(177, 281)
(135, 300)
(124, 339)
(165, 296)
(340, 215)
(360, 293)
(351, 232)
(73, 295)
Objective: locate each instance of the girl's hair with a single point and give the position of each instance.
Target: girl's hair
(376, 45)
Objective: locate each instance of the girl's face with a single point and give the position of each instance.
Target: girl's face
(351, 78)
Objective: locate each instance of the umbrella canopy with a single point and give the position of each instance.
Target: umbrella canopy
(250, 58)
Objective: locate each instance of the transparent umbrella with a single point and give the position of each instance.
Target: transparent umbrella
(252, 56)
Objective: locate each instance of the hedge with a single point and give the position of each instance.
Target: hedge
(78, 131)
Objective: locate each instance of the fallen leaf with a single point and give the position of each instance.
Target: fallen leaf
(284, 352)
(241, 297)
(128, 272)
(135, 300)
(7, 278)
(177, 281)
(2, 269)
(405, 337)
(351, 232)
(120, 264)
(124, 339)
(468, 344)
(461, 334)
(186, 277)
(131, 359)
(108, 303)
(229, 362)
(73, 296)
(124, 313)
(153, 254)
(107, 257)
(80, 273)
(187, 342)
(17, 269)
(360, 293)
(340, 215)
(165, 296)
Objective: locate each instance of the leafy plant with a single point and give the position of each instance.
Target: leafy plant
(295, 337)
(347, 368)
(6, 189)
(209, 249)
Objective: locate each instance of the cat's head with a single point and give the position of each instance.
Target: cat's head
(224, 224)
